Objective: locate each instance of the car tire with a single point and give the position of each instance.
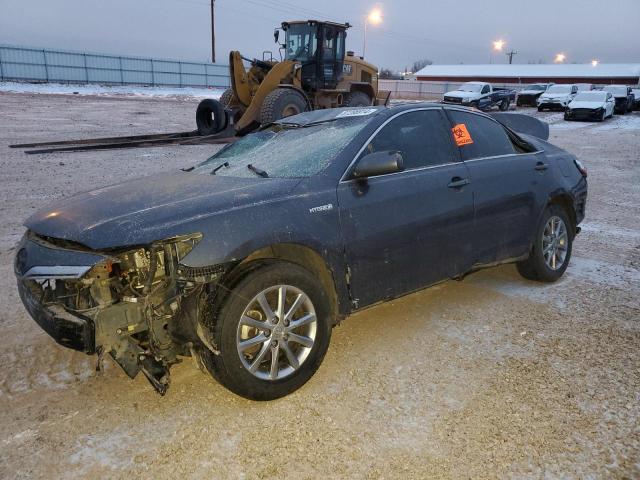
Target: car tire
(548, 262)
(603, 116)
(282, 103)
(540, 109)
(227, 328)
(357, 99)
(566, 116)
(210, 117)
(504, 105)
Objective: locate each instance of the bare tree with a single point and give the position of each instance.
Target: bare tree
(388, 74)
(420, 64)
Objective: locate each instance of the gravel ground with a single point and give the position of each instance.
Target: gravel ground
(493, 376)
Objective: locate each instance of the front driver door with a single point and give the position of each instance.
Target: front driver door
(406, 230)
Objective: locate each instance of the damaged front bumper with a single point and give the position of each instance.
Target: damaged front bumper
(139, 305)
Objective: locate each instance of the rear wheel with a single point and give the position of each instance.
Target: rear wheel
(504, 105)
(356, 99)
(281, 103)
(551, 249)
(272, 332)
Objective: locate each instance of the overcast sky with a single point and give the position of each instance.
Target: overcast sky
(443, 31)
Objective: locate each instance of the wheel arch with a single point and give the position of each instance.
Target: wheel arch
(304, 256)
(363, 87)
(300, 91)
(565, 201)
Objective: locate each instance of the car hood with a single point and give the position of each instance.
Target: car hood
(585, 104)
(461, 94)
(151, 208)
(554, 96)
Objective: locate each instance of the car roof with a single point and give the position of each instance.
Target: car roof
(329, 114)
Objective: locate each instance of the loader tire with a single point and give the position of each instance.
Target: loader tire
(226, 99)
(210, 117)
(281, 103)
(356, 99)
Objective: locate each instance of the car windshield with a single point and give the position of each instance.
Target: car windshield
(470, 87)
(284, 151)
(536, 87)
(591, 97)
(620, 91)
(560, 89)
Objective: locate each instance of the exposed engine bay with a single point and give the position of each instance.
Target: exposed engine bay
(141, 306)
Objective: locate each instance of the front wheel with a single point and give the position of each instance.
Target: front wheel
(551, 248)
(272, 332)
(504, 105)
(356, 99)
(282, 103)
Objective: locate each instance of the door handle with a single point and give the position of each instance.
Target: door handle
(540, 166)
(457, 182)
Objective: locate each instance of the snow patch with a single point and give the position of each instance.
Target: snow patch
(610, 230)
(109, 90)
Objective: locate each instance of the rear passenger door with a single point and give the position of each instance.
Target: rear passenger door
(506, 186)
(406, 230)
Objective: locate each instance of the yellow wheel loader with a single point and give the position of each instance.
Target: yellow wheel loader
(314, 73)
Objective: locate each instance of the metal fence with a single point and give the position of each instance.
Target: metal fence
(427, 90)
(44, 65)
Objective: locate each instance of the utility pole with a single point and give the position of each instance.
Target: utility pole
(213, 34)
(510, 55)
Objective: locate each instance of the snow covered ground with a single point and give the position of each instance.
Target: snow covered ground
(94, 89)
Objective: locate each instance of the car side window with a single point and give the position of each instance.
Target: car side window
(478, 136)
(485, 89)
(422, 137)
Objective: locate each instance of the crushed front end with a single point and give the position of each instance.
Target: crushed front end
(139, 305)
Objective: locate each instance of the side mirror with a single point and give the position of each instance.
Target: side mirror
(379, 163)
(276, 35)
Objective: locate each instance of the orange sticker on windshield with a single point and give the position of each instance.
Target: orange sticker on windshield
(461, 135)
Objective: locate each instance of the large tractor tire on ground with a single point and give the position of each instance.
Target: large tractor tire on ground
(210, 117)
(357, 99)
(281, 103)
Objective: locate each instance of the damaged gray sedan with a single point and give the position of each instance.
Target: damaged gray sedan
(246, 261)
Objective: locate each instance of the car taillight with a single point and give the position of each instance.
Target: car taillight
(581, 168)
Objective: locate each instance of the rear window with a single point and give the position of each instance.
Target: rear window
(479, 136)
(619, 91)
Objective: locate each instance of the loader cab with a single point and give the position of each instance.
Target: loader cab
(319, 47)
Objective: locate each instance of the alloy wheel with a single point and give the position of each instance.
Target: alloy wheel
(276, 332)
(555, 243)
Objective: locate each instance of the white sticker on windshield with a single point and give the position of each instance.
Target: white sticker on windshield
(357, 112)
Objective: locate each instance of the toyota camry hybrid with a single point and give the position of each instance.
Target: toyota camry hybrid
(246, 261)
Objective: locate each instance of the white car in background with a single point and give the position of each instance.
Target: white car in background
(590, 105)
(557, 97)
